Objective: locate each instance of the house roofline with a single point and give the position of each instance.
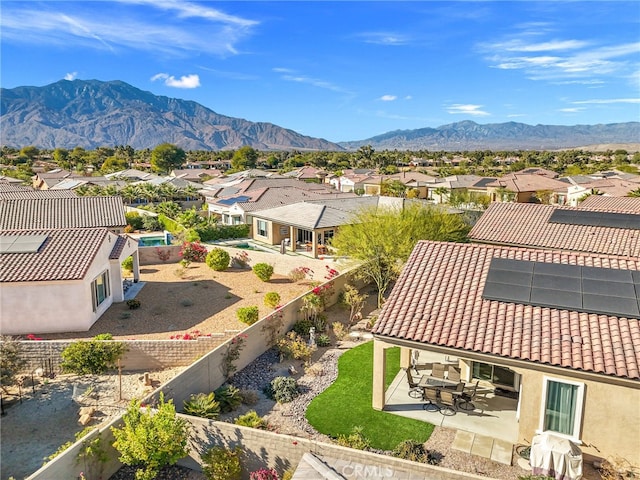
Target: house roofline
(511, 362)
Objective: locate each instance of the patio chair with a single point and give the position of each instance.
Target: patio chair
(430, 396)
(414, 390)
(449, 403)
(437, 370)
(467, 396)
(453, 374)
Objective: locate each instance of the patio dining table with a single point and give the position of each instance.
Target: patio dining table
(433, 382)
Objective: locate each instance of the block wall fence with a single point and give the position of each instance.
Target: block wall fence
(203, 375)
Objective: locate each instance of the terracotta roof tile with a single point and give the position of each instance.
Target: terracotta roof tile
(64, 255)
(437, 300)
(611, 204)
(527, 224)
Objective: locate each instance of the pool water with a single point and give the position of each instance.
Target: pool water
(151, 241)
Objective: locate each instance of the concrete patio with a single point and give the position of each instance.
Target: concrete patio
(494, 415)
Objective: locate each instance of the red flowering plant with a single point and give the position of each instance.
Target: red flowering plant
(232, 353)
(300, 273)
(192, 252)
(331, 273)
(192, 335)
(31, 336)
(264, 474)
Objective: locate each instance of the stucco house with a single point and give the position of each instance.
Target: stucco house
(60, 260)
(528, 187)
(559, 329)
(60, 280)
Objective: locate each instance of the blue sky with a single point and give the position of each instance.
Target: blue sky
(344, 70)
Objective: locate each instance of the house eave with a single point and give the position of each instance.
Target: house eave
(511, 362)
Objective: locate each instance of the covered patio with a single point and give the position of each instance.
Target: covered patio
(494, 415)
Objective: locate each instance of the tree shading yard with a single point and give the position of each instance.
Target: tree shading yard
(347, 403)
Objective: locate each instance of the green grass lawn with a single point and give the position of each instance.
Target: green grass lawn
(347, 403)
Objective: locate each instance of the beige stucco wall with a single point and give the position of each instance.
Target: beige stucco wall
(610, 420)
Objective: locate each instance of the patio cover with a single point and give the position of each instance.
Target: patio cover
(555, 456)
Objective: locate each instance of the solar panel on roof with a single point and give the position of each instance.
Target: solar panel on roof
(232, 200)
(605, 291)
(21, 243)
(595, 219)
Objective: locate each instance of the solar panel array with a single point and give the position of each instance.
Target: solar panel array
(21, 243)
(595, 219)
(232, 200)
(567, 287)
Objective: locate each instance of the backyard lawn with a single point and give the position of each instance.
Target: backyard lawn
(347, 403)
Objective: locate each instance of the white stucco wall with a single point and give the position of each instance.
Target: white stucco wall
(60, 306)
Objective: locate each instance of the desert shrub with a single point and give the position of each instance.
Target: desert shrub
(272, 299)
(264, 474)
(193, 252)
(240, 260)
(355, 439)
(133, 304)
(320, 323)
(134, 219)
(248, 315)
(220, 463)
(339, 330)
(263, 271)
(411, 450)
(249, 397)
(127, 264)
(228, 397)
(251, 419)
(284, 389)
(151, 223)
(300, 273)
(293, 346)
(323, 340)
(11, 360)
(92, 357)
(202, 405)
(103, 336)
(218, 259)
(302, 327)
(151, 440)
(129, 229)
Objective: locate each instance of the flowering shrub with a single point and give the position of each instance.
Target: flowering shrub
(293, 346)
(240, 260)
(193, 252)
(264, 474)
(331, 273)
(272, 326)
(234, 347)
(300, 273)
(192, 335)
(31, 336)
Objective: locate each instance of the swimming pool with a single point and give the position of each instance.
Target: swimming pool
(152, 241)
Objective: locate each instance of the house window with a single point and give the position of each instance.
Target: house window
(100, 290)
(562, 407)
(499, 376)
(262, 228)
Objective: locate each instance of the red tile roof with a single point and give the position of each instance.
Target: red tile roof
(619, 204)
(438, 300)
(527, 225)
(528, 183)
(64, 255)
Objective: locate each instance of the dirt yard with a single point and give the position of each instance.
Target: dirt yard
(175, 301)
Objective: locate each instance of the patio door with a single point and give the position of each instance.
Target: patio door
(499, 376)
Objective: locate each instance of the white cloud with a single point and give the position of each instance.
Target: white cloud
(388, 98)
(158, 29)
(606, 101)
(71, 76)
(384, 38)
(186, 81)
(290, 75)
(467, 109)
(571, 109)
(560, 59)
(408, 97)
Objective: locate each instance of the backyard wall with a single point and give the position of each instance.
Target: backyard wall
(205, 375)
(149, 255)
(141, 354)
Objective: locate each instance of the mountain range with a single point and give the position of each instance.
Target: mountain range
(92, 113)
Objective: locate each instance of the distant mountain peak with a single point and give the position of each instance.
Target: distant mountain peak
(93, 113)
(469, 135)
